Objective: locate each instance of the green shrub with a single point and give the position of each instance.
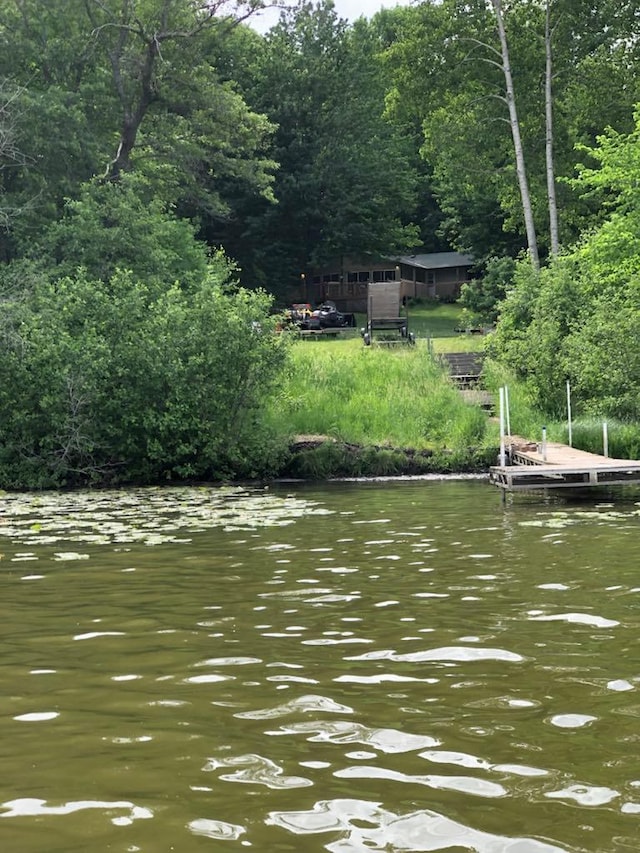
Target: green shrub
(117, 381)
(320, 463)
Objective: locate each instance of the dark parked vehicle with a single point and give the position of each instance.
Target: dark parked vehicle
(327, 316)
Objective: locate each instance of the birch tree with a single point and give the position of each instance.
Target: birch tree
(523, 183)
(548, 100)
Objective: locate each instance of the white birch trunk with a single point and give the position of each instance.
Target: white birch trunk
(517, 140)
(548, 102)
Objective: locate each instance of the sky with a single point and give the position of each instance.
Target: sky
(349, 9)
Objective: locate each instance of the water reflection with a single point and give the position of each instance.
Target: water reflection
(366, 826)
(29, 807)
(256, 770)
(386, 740)
(396, 667)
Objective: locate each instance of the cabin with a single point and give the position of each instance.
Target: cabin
(438, 275)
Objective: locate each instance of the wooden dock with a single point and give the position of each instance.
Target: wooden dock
(559, 466)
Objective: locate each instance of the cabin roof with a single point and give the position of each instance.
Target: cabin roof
(436, 260)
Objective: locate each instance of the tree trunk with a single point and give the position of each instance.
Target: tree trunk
(517, 140)
(133, 114)
(548, 102)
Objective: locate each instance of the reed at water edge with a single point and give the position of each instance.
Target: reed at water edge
(526, 420)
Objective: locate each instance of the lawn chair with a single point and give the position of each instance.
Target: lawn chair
(386, 314)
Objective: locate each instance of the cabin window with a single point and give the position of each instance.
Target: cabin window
(363, 275)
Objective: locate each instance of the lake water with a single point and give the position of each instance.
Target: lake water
(408, 666)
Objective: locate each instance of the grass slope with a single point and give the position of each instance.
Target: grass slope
(396, 396)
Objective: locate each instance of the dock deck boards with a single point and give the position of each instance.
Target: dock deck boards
(561, 467)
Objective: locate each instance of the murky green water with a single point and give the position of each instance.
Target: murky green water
(397, 667)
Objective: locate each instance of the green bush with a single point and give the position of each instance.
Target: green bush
(319, 463)
(120, 381)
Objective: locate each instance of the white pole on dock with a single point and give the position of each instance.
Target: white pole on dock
(569, 413)
(502, 449)
(544, 444)
(605, 438)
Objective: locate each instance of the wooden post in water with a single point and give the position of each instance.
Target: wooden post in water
(502, 448)
(605, 439)
(569, 413)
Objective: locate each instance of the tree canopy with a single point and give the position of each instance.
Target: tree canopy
(319, 137)
(157, 154)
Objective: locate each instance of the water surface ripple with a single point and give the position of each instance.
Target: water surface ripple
(407, 666)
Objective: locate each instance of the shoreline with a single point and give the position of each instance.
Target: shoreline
(322, 458)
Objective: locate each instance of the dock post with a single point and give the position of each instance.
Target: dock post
(605, 439)
(543, 449)
(569, 413)
(502, 450)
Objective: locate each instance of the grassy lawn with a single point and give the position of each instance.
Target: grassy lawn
(400, 396)
(458, 343)
(435, 319)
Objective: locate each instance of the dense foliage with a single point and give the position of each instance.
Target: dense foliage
(156, 153)
(317, 138)
(119, 374)
(481, 297)
(578, 319)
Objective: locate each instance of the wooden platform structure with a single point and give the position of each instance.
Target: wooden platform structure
(559, 466)
(387, 315)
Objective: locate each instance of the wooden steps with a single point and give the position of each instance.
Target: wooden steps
(465, 367)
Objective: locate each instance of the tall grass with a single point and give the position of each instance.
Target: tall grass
(526, 419)
(380, 395)
(399, 396)
(623, 437)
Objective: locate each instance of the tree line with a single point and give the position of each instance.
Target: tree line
(160, 155)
